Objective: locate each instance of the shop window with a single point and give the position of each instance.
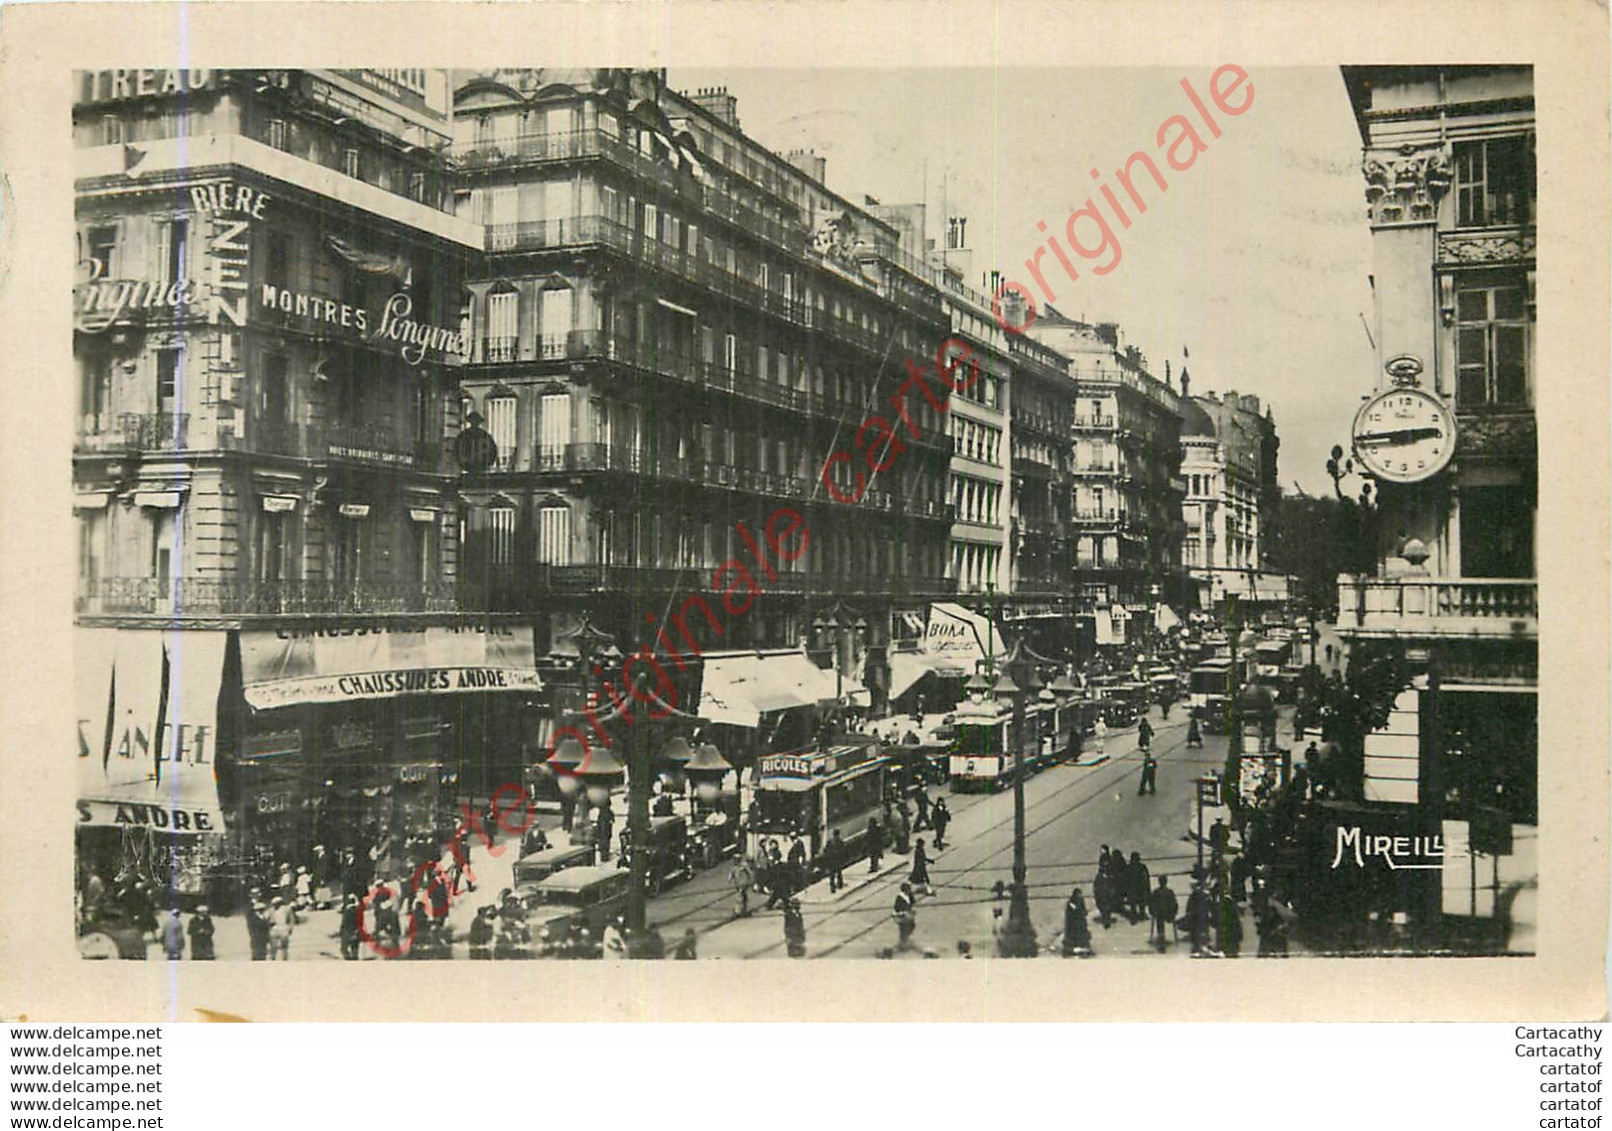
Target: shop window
(1490, 347)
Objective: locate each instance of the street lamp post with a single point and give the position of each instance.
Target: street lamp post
(1018, 937)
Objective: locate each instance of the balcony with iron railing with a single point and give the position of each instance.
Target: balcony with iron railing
(371, 444)
(511, 586)
(187, 597)
(1418, 606)
(1089, 421)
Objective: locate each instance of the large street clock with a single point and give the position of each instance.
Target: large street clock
(1404, 435)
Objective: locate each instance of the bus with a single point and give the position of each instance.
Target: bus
(811, 793)
(982, 755)
(1208, 687)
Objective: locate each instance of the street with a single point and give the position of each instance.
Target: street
(1070, 812)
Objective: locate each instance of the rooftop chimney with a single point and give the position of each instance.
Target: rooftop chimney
(716, 101)
(808, 162)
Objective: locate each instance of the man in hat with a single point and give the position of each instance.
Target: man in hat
(173, 936)
(257, 925)
(607, 823)
(875, 842)
(282, 921)
(1150, 775)
(348, 931)
(940, 818)
(794, 929)
(200, 930)
(1161, 907)
(905, 916)
(304, 888)
(834, 853)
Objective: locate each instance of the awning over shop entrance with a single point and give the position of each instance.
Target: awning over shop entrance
(907, 668)
(291, 666)
(148, 728)
(739, 689)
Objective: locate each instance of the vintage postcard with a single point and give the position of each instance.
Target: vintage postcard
(848, 497)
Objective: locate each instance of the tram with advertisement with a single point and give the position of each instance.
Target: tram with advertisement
(811, 793)
(982, 753)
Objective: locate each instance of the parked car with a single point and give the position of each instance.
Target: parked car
(110, 934)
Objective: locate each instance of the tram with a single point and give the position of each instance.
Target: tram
(1208, 688)
(812, 793)
(982, 756)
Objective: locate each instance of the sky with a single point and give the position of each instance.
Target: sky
(1256, 259)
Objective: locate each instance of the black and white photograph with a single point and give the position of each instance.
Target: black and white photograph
(653, 513)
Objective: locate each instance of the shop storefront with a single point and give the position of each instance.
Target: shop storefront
(149, 740)
(364, 737)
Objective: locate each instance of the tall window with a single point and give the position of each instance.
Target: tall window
(167, 380)
(271, 546)
(1490, 347)
(279, 136)
(422, 558)
(554, 421)
(501, 426)
(1494, 182)
(417, 186)
(111, 130)
(554, 536)
(730, 352)
(556, 318)
(651, 222)
(91, 538)
(101, 250)
(171, 239)
(502, 312)
(97, 392)
(501, 534)
(274, 394)
(164, 547)
(350, 163)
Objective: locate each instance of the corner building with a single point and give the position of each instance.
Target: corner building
(268, 341)
(1126, 526)
(1448, 161)
(674, 330)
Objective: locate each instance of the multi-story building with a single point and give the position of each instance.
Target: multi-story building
(1228, 465)
(1127, 492)
(1450, 437)
(674, 330)
(268, 341)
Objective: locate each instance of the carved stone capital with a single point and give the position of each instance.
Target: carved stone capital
(1404, 185)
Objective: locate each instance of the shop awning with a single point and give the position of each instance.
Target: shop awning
(148, 728)
(907, 668)
(739, 689)
(291, 666)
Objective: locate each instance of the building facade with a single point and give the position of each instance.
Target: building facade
(1448, 159)
(1127, 492)
(268, 341)
(1228, 466)
(674, 330)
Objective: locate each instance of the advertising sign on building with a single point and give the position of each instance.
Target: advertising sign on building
(960, 636)
(147, 732)
(291, 666)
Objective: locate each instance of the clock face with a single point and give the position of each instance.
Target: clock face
(1404, 435)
